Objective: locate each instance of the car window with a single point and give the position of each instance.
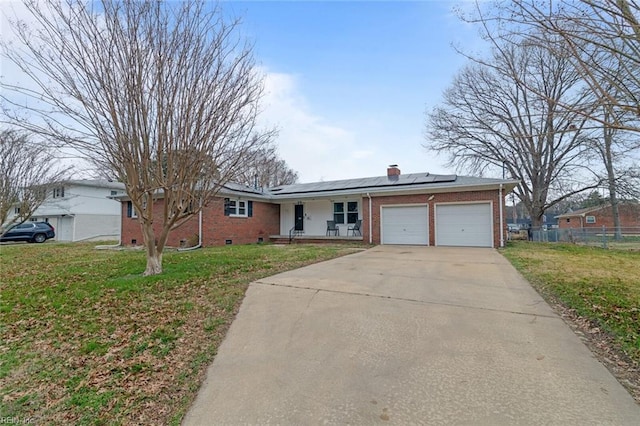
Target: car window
(24, 226)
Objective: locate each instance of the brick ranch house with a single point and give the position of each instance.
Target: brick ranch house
(599, 216)
(416, 209)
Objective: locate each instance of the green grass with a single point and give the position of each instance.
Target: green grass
(86, 339)
(602, 285)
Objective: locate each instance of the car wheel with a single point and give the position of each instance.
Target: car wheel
(39, 238)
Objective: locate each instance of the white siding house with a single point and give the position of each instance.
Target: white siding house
(83, 210)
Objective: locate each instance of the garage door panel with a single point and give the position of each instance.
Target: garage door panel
(464, 225)
(405, 225)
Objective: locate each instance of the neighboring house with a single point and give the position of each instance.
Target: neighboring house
(419, 208)
(548, 222)
(518, 224)
(599, 216)
(82, 210)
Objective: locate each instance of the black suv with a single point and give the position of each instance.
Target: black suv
(32, 232)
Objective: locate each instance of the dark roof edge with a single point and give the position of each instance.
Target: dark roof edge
(405, 188)
(584, 211)
(353, 188)
(224, 190)
(442, 187)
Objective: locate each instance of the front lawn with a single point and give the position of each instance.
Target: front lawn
(87, 340)
(602, 286)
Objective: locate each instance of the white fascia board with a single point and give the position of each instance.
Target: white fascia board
(95, 184)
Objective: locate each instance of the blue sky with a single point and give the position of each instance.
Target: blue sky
(348, 82)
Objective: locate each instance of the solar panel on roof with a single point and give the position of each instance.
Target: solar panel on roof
(364, 183)
(445, 178)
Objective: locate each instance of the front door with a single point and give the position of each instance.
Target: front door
(299, 217)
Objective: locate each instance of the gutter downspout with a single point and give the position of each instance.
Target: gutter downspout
(501, 217)
(199, 234)
(370, 225)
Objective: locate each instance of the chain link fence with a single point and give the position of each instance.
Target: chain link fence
(625, 238)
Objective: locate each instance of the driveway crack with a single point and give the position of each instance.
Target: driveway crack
(403, 299)
(299, 319)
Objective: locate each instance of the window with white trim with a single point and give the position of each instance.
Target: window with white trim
(352, 211)
(590, 219)
(131, 210)
(338, 212)
(58, 192)
(350, 214)
(238, 208)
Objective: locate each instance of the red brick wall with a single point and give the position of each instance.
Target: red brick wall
(216, 227)
(241, 230)
(629, 217)
(471, 196)
(266, 219)
(130, 228)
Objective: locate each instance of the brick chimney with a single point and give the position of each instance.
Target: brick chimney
(393, 171)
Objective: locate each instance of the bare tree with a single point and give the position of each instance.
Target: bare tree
(164, 94)
(613, 147)
(604, 40)
(600, 37)
(28, 173)
(506, 112)
(266, 169)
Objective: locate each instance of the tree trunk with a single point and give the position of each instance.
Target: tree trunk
(536, 219)
(613, 197)
(536, 208)
(154, 264)
(611, 180)
(154, 255)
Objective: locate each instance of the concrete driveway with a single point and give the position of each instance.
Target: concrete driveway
(406, 335)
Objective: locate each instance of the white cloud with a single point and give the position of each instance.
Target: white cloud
(317, 149)
(321, 150)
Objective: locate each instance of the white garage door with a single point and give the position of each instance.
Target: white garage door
(464, 225)
(405, 225)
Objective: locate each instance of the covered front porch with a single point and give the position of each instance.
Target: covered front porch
(338, 219)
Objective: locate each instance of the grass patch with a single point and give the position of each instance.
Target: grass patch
(86, 339)
(601, 285)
